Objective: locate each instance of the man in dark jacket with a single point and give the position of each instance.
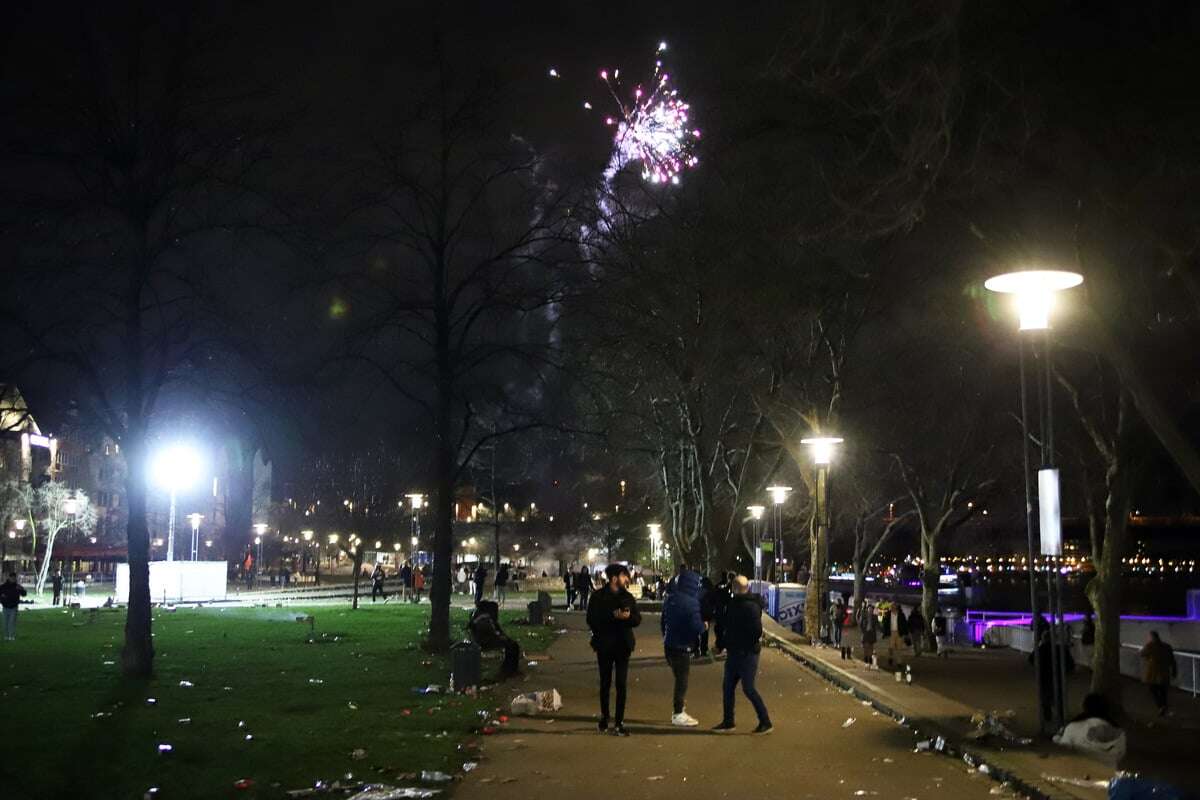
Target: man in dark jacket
(406, 582)
(56, 583)
(708, 602)
(502, 584)
(740, 633)
(612, 614)
(569, 583)
(485, 630)
(682, 623)
(11, 593)
(583, 587)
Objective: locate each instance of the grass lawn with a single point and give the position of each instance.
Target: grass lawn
(263, 704)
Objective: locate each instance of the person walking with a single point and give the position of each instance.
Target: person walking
(583, 587)
(406, 581)
(502, 584)
(56, 582)
(740, 635)
(11, 593)
(460, 579)
(708, 609)
(940, 638)
(377, 577)
(480, 582)
(569, 584)
(682, 622)
(868, 626)
(916, 630)
(418, 584)
(612, 615)
(1158, 668)
(837, 617)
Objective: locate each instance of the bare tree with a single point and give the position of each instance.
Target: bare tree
(54, 508)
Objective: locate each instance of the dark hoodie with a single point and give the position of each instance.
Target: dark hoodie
(740, 630)
(681, 618)
(609, 634)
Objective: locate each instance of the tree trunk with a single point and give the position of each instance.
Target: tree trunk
(443, 493)
(1104, 591)
(930, 576)
(137, 655)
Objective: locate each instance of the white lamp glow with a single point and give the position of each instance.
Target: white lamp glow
(822, 447)
(1034, 290)
(778, 494)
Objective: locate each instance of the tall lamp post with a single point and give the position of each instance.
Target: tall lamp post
(756, 515)
(778, 498)
(260, 530)
(655, 544)
(175, 469)
(195, 520)
(1034, 291)
(416, 500)
(821, 448)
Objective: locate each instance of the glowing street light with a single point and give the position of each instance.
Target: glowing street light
(308, 535)
(195, 520)
(822, 448)
(655, 543)
(260, 528)
(175, 469)
(1035, 292)
(778, 498)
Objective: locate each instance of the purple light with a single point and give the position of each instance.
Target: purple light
(980, 623)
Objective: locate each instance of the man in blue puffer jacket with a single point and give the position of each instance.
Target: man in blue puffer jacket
(681, 625)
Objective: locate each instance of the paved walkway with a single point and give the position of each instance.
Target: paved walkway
(945, 693)
(813, 753)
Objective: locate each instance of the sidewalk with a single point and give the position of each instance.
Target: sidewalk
(811, 754)
(946, 692)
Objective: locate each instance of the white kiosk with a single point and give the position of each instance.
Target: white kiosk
(179, 581)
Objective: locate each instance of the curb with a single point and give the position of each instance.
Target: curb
(954, 746)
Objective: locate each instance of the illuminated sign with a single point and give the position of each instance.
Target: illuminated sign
(39, 441)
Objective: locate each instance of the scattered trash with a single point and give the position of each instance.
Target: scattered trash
(988, 724)
(470, 766)
(938, 744)
(358, 754)
(315, 681)
(534, 702)
(100, 714)
(381, 791)
(985, 769)
(165, 748)
(1081, 782)
(350, 705)
(186, 684)
(1095, 737)
(887, 760)
(849, 721)
(243, 783)
(109, 664)
(241, 723)
(150, 701)
(531, 664)
(150, 793)
(434, 776)
(185, 720)
(488, 731)
(249, 737)
(655, 777)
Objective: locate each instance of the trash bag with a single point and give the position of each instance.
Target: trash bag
(535, 702)
(989, 724)
(1096, 737)
(524, 705)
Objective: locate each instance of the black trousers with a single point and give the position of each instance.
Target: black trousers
(1159, 692)
(702, 643)
(613, 663)
(376, 591)
(681, 663)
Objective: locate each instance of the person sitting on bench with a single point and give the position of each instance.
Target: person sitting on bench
(486, 632)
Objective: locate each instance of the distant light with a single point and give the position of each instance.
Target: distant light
(307, 535)
(260, 528)
(208, 542)
(778, 494)
(756, 512)
(414, 541)
(516, 547)
(177, 467)
(92, 539)
(333, 538)
(396, 547)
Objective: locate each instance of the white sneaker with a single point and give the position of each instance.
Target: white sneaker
(684, 720)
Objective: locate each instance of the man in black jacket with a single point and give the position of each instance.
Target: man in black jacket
(612, 614)
(11, 593)
(740, 633)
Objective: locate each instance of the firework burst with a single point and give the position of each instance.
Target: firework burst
(653, 129)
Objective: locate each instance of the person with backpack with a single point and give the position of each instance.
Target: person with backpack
(612, 614)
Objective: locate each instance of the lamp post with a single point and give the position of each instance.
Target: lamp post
(260, 530)
(195, 520)
(417, 501)
(756, 514)
(176, 468)
(778, 498)
(655, 544)
(1034, 292)
(821, 448)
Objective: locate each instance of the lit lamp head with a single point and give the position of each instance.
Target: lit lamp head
(756, 512)
(396, 547)
(177, 467)
(655, 531)
(195, 520)
(416, 500)
(333, 538)
(778, 494)
(822, 447)
(70, 506)
(260, 528)
(19, 524)
(1034, 290)
(414, 541)
(308, 535)
(517, 547)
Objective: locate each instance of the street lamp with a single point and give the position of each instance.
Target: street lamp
(821, 448)
(195, 520)
(175, 469)
(778, 498)
(756, 514)
(260, 528)
(1034, 291)
(655, 544)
